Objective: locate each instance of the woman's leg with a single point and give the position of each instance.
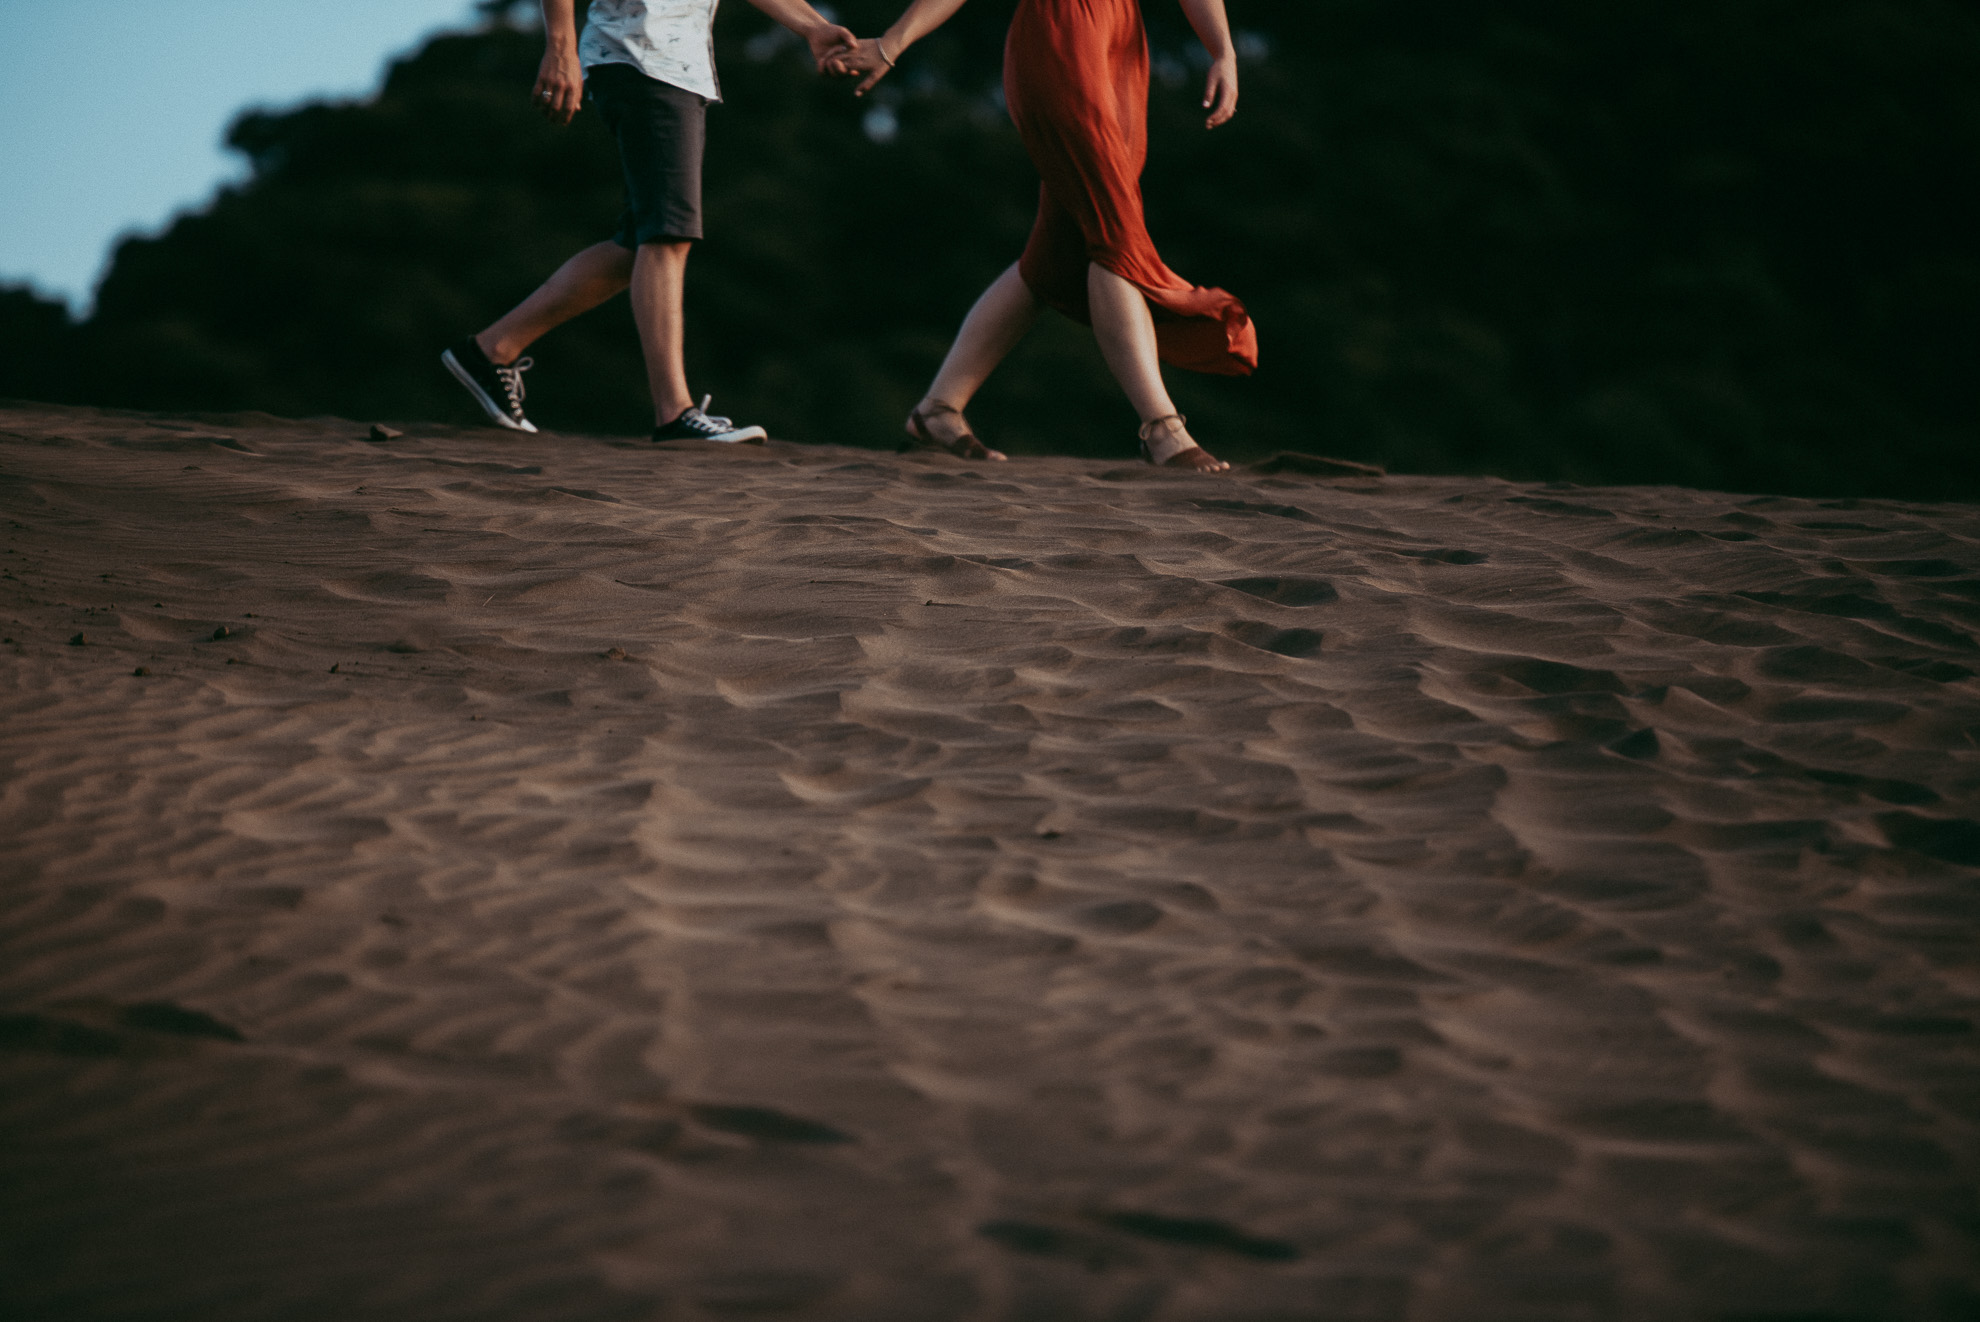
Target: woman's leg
(1004, 312)
(1126, 331)
(1001, 316)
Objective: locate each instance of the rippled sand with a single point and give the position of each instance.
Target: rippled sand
(551, 879)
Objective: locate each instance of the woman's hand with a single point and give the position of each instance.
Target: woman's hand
(1220, 91)
(559, 89)
(866, 60)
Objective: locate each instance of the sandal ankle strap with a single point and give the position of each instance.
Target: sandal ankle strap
(1148, 428)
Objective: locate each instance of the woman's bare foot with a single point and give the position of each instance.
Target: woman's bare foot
(1166, 443)
(937, 426)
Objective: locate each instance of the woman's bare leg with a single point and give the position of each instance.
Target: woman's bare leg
(1003, 313)
(1001, 316)
(1126, 331)
(579, 285)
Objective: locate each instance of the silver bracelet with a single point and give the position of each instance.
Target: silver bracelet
(881, 46)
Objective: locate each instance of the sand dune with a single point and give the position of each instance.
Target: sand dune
(550, 878)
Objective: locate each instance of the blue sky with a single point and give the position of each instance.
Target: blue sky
(112, 111)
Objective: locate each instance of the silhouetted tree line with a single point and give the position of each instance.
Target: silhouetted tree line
(1728, 243)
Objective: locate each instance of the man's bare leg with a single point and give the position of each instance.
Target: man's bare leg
(659, 279)
(579, 285)
(1126, 332)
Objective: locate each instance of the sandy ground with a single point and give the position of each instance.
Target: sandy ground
(560, 880)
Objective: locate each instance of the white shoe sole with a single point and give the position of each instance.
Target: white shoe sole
(740, 436)
(488, 406)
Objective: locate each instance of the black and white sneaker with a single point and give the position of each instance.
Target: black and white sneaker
(499, 390)
(700, 425)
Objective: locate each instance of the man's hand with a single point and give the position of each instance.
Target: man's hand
(827, 41)
(865, 60)
(559, 89)
(1220, 92)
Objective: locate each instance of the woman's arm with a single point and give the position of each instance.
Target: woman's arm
(1213, 29)
(875, 56)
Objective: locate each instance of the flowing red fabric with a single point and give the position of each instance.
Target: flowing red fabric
(1076, 79)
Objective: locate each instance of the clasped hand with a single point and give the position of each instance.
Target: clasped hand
(865, 60)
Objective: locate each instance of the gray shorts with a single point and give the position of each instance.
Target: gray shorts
(661, 131)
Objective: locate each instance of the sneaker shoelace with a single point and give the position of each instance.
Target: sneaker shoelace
(719, 422)
(512, 382)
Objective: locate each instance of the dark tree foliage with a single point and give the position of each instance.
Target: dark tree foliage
(1727, 243)
(38, 351)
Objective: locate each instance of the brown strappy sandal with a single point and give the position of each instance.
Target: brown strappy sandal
(965, 446)
(1192, 458)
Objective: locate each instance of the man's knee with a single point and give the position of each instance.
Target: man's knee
(671, 254)
(611, 256)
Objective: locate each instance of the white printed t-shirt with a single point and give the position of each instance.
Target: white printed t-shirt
(672, 41)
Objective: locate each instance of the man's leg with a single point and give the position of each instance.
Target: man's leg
(658, 281)
(659, 278)
(490, 364)
(579, 285)
(661, 131)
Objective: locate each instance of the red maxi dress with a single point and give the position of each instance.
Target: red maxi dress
(1076, 80)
